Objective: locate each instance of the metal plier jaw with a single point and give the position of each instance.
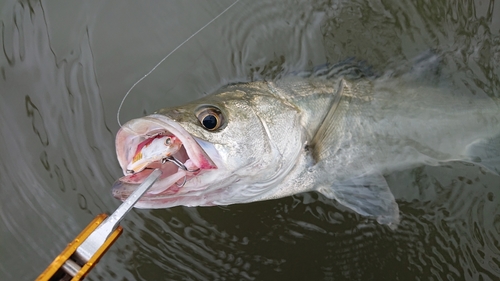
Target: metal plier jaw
(82, 254)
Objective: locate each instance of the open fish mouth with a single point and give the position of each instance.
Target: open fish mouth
(178, 168)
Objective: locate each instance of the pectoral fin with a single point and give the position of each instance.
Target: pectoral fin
(321, 143)
(368, 195)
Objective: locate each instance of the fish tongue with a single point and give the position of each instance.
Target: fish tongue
(167, 182)
(190, 165)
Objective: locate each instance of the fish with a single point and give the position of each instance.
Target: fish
(337, 130)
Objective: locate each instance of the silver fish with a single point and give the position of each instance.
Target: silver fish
(336, 131)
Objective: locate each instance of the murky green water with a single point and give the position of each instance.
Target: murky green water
(65, 65)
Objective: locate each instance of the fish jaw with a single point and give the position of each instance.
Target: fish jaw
(173, 180)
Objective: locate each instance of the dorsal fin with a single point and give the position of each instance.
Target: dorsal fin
(349, 69)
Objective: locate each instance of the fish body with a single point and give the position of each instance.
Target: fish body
(336, 131)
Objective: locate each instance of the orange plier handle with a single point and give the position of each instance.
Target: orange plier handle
(68, 264)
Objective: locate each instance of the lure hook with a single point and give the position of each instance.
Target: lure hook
(183, 183)
(178, 164)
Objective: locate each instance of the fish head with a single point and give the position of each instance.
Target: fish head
(235, 147)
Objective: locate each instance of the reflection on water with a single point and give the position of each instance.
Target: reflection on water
(55, 147)
(64, 69)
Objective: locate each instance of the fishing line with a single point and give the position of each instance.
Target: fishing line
(168, 55)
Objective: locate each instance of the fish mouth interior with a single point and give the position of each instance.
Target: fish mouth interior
(190, 154)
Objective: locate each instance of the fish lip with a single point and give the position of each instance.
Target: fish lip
(137, 130)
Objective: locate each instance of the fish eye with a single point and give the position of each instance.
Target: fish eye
(168, 141)
(210, 117)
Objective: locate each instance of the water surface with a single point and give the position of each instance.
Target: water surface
(65, 65)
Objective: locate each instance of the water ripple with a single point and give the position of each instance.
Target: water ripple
(452, 234)
(50, 172)
(58, 154)
(449, 233)
(294, 23)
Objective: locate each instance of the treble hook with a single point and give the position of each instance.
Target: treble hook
(175, 161)
(178, 164)
(183, 183)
